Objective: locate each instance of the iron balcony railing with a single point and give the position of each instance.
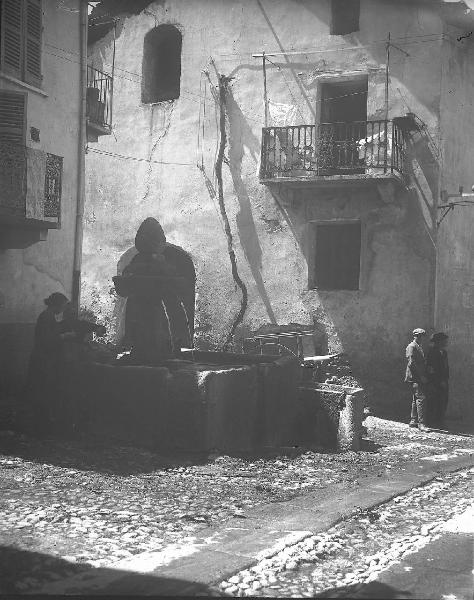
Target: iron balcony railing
(369, 147)
(99, 98)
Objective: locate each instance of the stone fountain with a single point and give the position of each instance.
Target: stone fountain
(169, 399)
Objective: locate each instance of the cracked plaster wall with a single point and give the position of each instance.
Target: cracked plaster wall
(373, 326)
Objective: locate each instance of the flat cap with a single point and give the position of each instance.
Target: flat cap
(419, 331)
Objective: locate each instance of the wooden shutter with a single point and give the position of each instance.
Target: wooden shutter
(12, 153)
(12, 117)
(33, 27)
(11, 37)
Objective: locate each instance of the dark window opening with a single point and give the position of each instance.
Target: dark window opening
(336, 259)
(161, 68)
(344, 16)
(343, 125)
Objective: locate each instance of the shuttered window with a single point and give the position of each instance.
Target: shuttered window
(12, 117)
(20, 39)
(336, 260)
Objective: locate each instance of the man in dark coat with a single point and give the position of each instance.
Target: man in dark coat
(416, 376)
(438, 377)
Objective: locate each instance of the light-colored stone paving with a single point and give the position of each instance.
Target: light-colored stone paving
(358, 549)
(92, 506)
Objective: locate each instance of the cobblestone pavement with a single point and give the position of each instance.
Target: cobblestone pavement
(358, 549)
(94, 506)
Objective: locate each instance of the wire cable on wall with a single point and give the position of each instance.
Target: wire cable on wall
(138, 159)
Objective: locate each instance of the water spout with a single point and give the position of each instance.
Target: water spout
(188, 325)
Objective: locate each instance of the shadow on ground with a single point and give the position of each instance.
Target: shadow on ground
(100, 457)
(25, 572)
(373, 589)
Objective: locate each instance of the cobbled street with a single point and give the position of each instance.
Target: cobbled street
(358, 549)
(93, 506)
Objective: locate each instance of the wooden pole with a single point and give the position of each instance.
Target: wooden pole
(265, 97)
(387, 75)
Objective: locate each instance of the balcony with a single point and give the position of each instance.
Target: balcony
(30, 188)
(343, 152)
(99, 104)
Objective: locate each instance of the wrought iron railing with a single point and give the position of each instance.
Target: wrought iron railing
(99, 98)
(53, 186)
(332, 148)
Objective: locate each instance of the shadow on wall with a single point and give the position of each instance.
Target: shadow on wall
(241, 136)
(29, 572)
(183, 322)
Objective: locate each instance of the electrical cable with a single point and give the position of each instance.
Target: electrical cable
(137, 159)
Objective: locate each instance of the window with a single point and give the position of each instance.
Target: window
(161, 68)
(336, 258)
(344, 16)
(20, 39)
(12, 117)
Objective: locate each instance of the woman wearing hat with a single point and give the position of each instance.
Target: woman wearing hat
(437, 368)
(53, 327)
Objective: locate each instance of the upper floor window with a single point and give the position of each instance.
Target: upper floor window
(20, 39)
(344, 16)
(161, 68)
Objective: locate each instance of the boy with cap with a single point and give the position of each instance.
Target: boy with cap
(438, 376)
(416, 376)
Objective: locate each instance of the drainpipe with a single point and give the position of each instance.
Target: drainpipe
(81, 160)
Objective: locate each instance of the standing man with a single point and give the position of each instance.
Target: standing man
(416, 376)
(438, 376)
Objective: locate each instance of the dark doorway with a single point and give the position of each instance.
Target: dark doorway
(343, 125)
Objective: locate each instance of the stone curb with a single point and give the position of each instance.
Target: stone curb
(266, 531)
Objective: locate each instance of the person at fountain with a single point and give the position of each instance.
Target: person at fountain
(46, 360)
(437, 367)
(416, 376)
(55, 327)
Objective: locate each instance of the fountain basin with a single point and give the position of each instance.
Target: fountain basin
(216, 402)
(221, 401)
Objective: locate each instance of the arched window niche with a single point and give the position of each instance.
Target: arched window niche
(161, 67)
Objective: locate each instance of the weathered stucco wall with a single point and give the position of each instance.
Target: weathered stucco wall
(29, 275)
(455, 279)
(372, 325)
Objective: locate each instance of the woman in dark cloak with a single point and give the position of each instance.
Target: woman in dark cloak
(54, 327)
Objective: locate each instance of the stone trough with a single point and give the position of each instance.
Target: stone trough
(215, 402)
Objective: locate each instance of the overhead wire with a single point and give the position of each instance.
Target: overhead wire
(137, 159)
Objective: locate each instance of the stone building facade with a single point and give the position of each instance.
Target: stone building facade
(41, 166)
(334, 225)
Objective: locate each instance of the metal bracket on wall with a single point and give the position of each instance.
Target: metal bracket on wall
(465, 200)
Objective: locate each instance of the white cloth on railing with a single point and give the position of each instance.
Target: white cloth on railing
(281, 115)
(372, 147)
